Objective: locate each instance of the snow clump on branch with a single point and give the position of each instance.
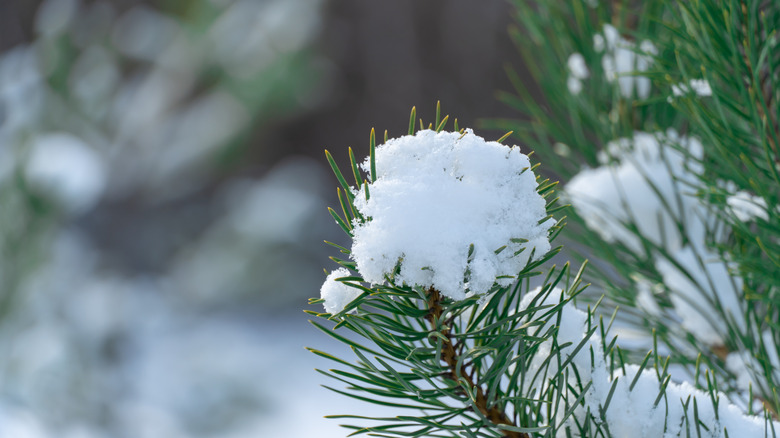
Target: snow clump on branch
(700, 87)
(578, 70)
(456, 212)
(628, 398)
(622, 58)
(337, 294)
(747, 207)
(643, 197)
(626, 189)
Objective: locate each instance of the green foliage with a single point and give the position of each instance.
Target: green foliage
(458, 365)
(733, 46)
(462, 367)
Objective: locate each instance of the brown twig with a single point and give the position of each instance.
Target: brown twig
(495, 413)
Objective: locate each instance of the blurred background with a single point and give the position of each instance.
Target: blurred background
(163, 195)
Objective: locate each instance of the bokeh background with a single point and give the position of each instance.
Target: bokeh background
(163, 195)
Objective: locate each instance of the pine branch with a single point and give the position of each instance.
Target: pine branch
(494, 413)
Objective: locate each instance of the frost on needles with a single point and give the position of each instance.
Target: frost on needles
(453, 211)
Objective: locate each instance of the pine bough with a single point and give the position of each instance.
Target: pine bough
(447, 298)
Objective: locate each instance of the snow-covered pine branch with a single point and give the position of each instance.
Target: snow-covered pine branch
(448, 232)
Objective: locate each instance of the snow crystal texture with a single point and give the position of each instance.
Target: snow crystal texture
(337, 294)
(435, 195)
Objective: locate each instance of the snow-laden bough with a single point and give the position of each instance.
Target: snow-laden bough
(627, 399)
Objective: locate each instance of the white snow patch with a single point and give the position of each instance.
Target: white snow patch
(747, 207)
(68, 169)
(578, 70)
(613, 195)
(700, 87)
(337, 294)
(611, 36)
(701, 284)
(577, 66)
(631, 411)
(598, 43)
(574, 85)
(622, 59)
(22, 91)
(742, 366)
(18, 422)
(645, 297)
(649, 186)
(435, 195)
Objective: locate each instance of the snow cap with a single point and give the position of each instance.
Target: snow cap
(436, 195)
